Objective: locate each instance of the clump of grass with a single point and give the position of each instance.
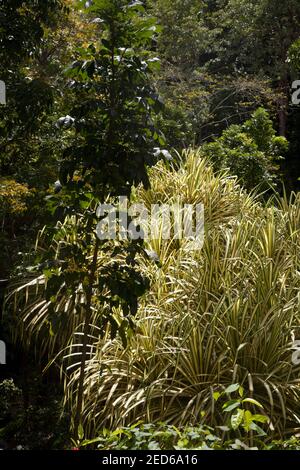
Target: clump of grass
(228, 313)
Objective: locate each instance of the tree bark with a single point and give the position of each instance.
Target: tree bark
(283, 103)
(88, 316)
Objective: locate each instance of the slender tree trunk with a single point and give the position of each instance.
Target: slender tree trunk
(88, 309)
(283, 104)
(88, 316)
(282, 114)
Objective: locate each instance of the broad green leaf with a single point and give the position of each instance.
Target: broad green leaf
(254, 402)
(247, 420)
(80, 432)
(258, 429)
(237, 418)
(231, 405)
(232, 388)
(89, 442)
(260, 418)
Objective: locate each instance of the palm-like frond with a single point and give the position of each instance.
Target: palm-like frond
(227, 313)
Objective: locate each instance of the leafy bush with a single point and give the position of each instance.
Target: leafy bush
(239, 421)
(251, 151)
(14, 203)
(225, 314)
(162, 436)
(13, 197)
(10, 399)
(156, 437)
(31, 416)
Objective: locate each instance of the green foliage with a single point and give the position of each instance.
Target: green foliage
(240, 416)
(12, 197)
(289, 444)
(27, 146)
(111, 141)
(155, 437)
(31, 415)
(294, 57)
(226, 314)
(221, 61)
(250, 151)
(114, 136)
(217, 326)
(10, 399)
(183, 31)
(112, 144)
(251, 27)
(162, 436)
(61, 280)
(14, 201)
(22, 27)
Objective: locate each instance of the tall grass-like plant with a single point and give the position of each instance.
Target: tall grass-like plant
(228, 313)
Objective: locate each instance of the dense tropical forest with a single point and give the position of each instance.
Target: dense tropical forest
(135, 342)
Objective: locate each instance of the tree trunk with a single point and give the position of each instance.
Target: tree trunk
(283, 103)
(88, 316)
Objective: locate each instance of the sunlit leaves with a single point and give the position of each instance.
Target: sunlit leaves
(13, 197)
(251, 151)
(114, 117)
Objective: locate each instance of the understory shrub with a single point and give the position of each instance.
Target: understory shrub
(225, 314)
